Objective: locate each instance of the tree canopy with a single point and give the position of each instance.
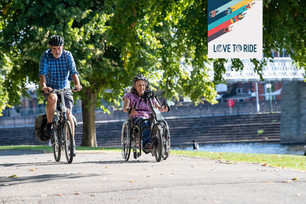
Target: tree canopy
(112, 41)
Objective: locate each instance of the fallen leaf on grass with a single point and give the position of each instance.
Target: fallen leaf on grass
(13, 176)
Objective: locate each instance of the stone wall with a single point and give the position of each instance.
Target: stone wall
(218, 129)
(206, 109)
(293, 113)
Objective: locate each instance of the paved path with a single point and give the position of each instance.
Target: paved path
(105, 178)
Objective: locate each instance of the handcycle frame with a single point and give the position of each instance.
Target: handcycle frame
(131, 136)
(62, 127)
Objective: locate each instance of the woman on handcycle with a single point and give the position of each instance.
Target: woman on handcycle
(140, 109)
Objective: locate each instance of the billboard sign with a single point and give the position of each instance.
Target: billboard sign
(235, 29)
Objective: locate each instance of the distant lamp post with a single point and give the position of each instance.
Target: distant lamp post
(257, 98)
(269, 86)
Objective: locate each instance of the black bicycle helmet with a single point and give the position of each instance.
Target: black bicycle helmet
(140, 77)
(56, 40)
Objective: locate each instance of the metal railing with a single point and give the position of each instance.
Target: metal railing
(280, 69)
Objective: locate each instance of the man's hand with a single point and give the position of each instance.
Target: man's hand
(77, 88)
(47, 90)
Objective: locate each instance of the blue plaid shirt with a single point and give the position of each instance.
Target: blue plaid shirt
(59, 71)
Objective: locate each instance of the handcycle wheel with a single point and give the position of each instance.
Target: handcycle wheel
(68, 141)
(125, 141)
(136, 145)
(56, 145)
(135, 154)
(157, 144)
(165, 143)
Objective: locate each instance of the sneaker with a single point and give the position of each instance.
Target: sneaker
(48, 130)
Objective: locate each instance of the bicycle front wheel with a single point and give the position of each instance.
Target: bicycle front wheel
(68, 141)
(157, 147)
(56, 144)
(165, 143)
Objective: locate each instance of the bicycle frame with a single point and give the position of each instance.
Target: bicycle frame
(156, 116)
(61, 125)
(61, 92)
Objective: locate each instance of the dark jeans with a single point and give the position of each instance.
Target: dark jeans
(146, 137)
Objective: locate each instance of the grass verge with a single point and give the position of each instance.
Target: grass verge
(45, 148)
(273, 160)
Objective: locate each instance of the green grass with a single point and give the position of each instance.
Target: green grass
(42, 148)
(45, 148)
(273, 160)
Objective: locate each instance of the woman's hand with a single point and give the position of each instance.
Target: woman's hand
(133, 112)
(163, 109)
(166, 109)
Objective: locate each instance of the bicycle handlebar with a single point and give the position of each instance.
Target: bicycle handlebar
(60, 90)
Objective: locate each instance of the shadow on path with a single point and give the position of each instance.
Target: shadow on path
(19, 152)
(9, 181)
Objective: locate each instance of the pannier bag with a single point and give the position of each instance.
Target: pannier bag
(40, 124)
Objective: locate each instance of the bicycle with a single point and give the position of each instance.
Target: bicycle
(62, 132)
(131, 135)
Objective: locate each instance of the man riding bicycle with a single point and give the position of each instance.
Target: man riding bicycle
(56, 70)
(140, 109)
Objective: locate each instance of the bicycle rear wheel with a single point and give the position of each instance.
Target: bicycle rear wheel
(56, 145)
(68, 141)
(125, 141)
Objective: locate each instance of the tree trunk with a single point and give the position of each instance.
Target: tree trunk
(89, 117)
